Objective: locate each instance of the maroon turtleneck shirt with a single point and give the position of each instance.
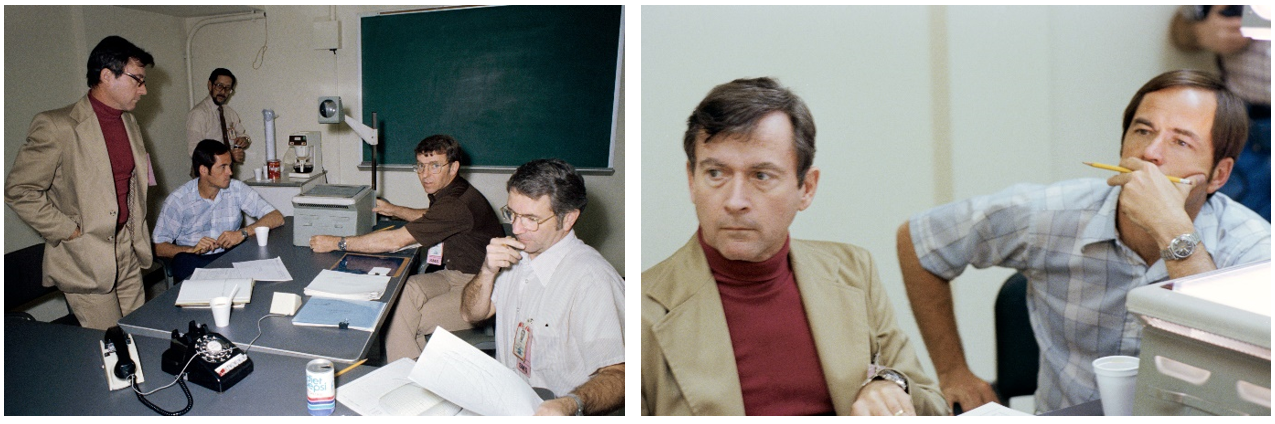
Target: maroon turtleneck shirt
(779, 370)
(120, 152)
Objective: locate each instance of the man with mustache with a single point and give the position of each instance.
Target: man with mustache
(743, 319)
(559, 305)
(454, 228)
(213, 119)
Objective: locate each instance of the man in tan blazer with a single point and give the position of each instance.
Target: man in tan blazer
(80, 181)
(744, 320)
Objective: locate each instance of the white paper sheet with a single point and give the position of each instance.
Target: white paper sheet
(388, 391)
(993, 409)
(344, 285)
(265, 269)
(219, 274)
(466, 376)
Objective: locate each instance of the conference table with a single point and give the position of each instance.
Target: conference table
(55, 369)
(159, 317)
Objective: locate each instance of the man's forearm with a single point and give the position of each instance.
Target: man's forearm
(475, 299)
(169, 250)
(379, 242)
(931, 301)
(604, 391)
(274, 219)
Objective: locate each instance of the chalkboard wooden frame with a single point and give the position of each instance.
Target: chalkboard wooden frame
(511, 83)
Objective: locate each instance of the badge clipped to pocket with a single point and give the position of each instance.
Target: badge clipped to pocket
(522, 347)
(435, 255)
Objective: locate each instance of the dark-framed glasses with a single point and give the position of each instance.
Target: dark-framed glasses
(140, 80)
(226, 88)
(529, 222)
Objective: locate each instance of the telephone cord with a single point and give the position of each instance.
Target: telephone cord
(190, 401)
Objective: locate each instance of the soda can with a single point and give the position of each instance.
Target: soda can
(272, 169)
(320, 387)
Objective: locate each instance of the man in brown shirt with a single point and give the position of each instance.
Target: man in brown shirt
(455, 228)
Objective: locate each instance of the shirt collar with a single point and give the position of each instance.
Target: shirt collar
(458, 185)
(1103, 225)
(547, 262)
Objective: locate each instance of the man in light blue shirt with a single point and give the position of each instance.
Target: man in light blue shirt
(202, 218)
(1083, 244)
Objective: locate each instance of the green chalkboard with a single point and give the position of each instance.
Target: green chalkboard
(511, 83)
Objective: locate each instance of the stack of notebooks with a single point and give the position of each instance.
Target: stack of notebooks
(198, 293)
(343, 285)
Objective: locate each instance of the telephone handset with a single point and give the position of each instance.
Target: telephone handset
(209, 359)
(119, 359)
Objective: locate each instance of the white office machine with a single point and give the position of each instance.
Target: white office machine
(1206, 345)
(332, 209)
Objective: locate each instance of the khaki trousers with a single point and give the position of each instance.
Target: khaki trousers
(102, 311)
(428, 301)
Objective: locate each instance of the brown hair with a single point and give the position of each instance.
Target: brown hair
(1230, 121)
(735, 107)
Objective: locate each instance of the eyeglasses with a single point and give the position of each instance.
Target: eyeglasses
(140, 80)
(528, 222)
(228, 89)
(432, 167)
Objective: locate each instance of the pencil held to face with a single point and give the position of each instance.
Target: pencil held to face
(1124, 170)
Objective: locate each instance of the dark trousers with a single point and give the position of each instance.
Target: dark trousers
(1250, 182)
(185, 264)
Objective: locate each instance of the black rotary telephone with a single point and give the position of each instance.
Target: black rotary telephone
(207, 358)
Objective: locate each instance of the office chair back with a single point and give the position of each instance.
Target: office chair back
(24, 283)
(1017, 354)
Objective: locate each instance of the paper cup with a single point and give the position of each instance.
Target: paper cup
(262, 234)
(1117, 377)
(261, 173)
(221, 310)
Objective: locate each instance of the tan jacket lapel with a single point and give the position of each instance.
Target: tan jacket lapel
(695, 340)
(836, 313)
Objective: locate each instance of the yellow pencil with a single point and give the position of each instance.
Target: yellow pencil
(391, 227)
(356, 364)
(1122, 169)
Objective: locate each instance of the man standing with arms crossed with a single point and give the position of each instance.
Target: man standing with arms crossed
(80, 181)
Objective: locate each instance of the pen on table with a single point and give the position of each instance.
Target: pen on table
(352, 366)
(1122, 169)
(386, 228)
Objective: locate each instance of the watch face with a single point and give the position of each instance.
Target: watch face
(1182, 247)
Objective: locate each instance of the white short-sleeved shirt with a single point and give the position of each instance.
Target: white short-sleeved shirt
(187, 217)
(1063, 238)
(572, 300)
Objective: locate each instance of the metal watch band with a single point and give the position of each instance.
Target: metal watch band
(891, 376)
(579, 403)
(244, 231)
(1181, 247)
(341, 244)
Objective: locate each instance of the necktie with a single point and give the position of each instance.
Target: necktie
(224, 137)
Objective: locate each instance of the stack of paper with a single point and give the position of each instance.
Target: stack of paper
(198, 293)
(344, 285)
(356, 314)
(451, 378)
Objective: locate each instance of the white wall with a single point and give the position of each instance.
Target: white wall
(45, 53)
(293, 76)
(46, 48)
(915, 107)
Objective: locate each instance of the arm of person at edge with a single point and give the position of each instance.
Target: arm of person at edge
(475, 300)
(603, 392)
(1158, 206)
(1216, 33)
(384, 207)
(374, 242)
(931, 299)
(232, 238)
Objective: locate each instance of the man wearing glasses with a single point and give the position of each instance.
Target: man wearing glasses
(455, 228)
(212, 119)
(80, 181)
(561, 305)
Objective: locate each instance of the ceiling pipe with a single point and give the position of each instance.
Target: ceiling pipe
(254, 15)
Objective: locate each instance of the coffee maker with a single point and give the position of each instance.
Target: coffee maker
(306, 153)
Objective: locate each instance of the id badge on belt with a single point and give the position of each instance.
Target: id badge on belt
(435, 255)
(522, 347)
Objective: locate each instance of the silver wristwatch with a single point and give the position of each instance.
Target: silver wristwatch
(244, 231)
(341, 244)
(579, 403)
(891, 376)
(1180, 248)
